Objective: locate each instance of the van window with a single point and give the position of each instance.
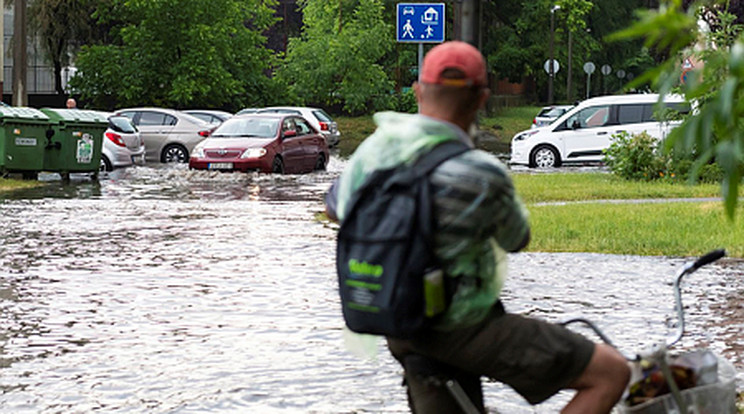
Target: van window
(630, 114)
(592, 117)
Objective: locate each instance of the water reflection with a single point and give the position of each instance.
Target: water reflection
(160, 289)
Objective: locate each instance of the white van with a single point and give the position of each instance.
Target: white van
(583, 133)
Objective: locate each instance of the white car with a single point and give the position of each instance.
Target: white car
(548, 114)
(583, 133)
(122, 145)
(317, 117)
(169, 135)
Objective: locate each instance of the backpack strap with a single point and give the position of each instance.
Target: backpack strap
(440, 153)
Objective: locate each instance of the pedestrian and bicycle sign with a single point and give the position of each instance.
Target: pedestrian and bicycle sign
(420, 22)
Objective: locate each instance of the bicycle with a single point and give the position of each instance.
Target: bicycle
(663, 372)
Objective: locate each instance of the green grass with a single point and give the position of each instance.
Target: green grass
(509, 121)
(637, 228)
(536, 188)
(7, 184)
(668, 229)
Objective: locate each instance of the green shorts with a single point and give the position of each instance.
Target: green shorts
(536, 358)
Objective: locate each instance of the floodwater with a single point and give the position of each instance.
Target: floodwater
(162, 290)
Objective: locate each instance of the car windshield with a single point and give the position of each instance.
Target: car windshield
(247, 127)
(122, 124)
(322, 116)
(554, 113)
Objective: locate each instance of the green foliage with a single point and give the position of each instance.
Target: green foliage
(335, 61)
(634, 157)
(60, 25)
(406, 102)
(637, 157)
(177, 53)
(715, 131)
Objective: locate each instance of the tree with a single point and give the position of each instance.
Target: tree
(180, 53)
(61, 26)
(335, 61)
(715, 130)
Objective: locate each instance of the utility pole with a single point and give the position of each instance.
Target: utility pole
(551, 70)
(20, 63)
(470, 19)
(569, 92)
(2, 49)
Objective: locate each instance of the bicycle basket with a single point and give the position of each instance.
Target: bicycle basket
(719, 397)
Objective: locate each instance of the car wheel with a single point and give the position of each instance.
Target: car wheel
(320, 163)
(545, 157)
(175, 153)
(277, 166)
(105, 164)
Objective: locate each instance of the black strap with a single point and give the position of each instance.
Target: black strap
(440, 153)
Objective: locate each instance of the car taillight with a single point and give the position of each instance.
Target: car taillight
(534, 121)
(116, 139)
(205, 133)
(324, 126)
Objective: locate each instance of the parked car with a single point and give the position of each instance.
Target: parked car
(548, 114)
(584, 132)
(247, 111)
(278, 143)
(169, 135)
(318, 118)
(210, 115)
(122, 144)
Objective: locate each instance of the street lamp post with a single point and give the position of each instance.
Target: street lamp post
(551, 70)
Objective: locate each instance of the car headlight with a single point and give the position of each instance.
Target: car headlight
(524, 135)
(198, 152)
(254, 153)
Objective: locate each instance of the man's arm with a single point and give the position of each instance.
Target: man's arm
(331, 201)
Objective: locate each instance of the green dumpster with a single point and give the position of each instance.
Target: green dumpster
(75, 140)
(22, 140)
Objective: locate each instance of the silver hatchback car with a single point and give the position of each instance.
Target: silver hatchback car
(169, 135)
(122, 144)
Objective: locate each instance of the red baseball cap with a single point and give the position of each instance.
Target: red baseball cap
(454, 55)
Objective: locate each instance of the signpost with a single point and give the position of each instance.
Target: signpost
(589, 68)
(420, 23)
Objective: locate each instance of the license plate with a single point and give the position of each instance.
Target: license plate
(220, 166)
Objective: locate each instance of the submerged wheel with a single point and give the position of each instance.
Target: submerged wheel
(545, 157)
(277, 166)
(175, 153)
(320, 163)
(105, 164)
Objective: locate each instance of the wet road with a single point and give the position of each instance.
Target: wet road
(164, 290)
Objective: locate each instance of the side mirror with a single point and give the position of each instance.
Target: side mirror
(575, 125)
(289, 133)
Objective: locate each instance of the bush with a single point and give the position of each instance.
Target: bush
(405, 101)
(634, 157)
(637, 157)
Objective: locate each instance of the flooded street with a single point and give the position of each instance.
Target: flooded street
(163, 290)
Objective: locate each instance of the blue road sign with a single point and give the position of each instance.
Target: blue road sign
(420, 22)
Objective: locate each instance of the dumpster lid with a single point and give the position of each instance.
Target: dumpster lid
(22, 112)
(75, 115)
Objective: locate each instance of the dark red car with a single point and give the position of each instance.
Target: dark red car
(279, 143)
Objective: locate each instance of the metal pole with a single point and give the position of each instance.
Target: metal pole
(588, 84)
(550, 62)
(20, 64)
(569, 92)
(420, 59)
(470, 18)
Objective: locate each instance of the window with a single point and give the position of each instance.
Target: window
(630, 114)
(302, 127)
(156, 118)
(595, 116)
(121, 124)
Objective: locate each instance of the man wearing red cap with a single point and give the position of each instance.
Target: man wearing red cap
(478, 218)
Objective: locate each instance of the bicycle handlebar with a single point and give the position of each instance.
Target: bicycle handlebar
(709, 257)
